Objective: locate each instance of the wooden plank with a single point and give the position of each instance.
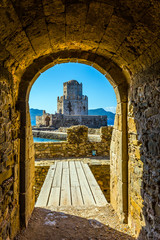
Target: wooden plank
(58, 175)
(70, 183)
(96, 191)
(76, 196)
(75, 187)
(45, 190)
(65, 164)
(65, 199)
(73, 175)
(85, 189)
(54, 199)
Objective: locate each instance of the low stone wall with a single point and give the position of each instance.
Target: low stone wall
(77, 145)
(51, 150)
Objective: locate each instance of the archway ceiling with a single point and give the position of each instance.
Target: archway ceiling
(124, 31)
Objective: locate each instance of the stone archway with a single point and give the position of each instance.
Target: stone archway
(106, 33)
(119, 200)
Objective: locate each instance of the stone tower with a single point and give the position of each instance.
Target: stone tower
(72, 102)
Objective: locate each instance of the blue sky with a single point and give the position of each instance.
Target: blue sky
(49, 85)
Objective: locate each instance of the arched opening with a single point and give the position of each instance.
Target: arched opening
(119, 175)
(91, 89)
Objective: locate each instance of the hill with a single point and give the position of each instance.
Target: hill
(98, 111)
(102, 112)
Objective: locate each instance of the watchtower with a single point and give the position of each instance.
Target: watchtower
(72, 102)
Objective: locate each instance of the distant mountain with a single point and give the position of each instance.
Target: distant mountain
(98, 111)
(33, 114)
(102, 112)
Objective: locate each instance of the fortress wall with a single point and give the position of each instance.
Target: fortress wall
(60, 120)
(89, 121)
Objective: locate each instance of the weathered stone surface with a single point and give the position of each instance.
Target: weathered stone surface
(106, 133)
(144, 152)
(77, 134)
(9, 159)
(102, 175)
(40, 175)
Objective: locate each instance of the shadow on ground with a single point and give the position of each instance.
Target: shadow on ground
(50, 225)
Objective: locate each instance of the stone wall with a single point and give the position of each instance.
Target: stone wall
(102, 175)
(144, 154)
(118, 38)
(16, 197)
(77, 145)
(9, 159)
(40, 175)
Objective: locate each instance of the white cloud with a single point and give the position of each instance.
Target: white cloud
(111, 109)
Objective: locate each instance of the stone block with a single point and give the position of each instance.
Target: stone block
(132, 125)
(5, 175)
(106, 133)
(77, 134)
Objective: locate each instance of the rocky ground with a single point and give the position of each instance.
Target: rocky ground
(92, 223)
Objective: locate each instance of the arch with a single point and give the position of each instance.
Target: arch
(119, 80)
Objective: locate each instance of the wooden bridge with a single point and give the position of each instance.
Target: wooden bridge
(70, 184)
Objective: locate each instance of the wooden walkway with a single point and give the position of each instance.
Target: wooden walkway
(70, 184)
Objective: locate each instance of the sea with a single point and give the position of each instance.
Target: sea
(37, 139)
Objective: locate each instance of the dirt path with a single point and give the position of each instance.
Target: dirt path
(100, 223)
